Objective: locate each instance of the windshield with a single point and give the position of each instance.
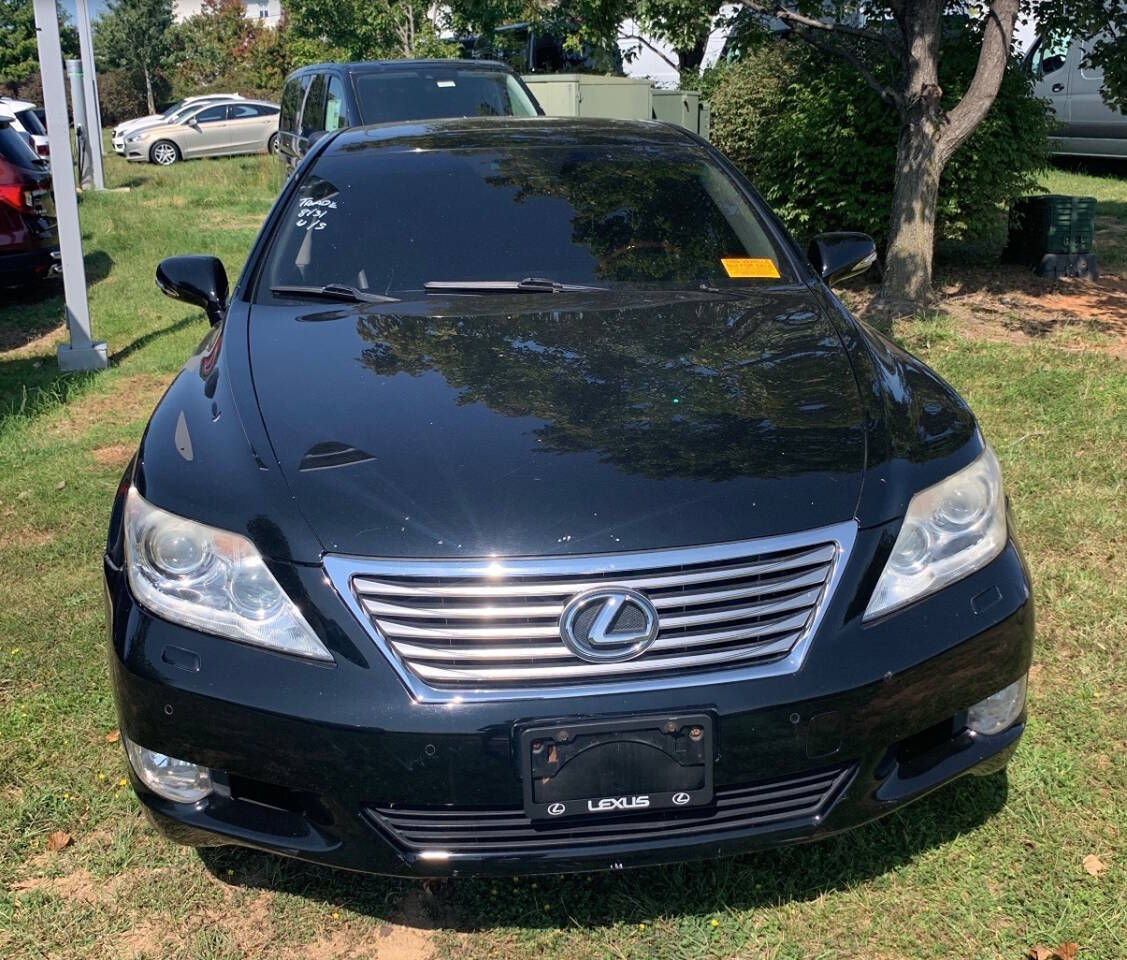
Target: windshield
(172, 109)
(388, 222)
(427, 93)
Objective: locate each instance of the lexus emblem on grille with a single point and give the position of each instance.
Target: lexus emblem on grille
(681, 799)
(555, 809)
(607, 625)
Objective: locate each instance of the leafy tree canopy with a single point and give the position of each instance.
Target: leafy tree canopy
(19, 51)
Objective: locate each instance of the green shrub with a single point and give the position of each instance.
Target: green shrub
(820, 145)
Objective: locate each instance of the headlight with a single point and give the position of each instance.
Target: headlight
(210, 579)
(949, 531)
(133, 138)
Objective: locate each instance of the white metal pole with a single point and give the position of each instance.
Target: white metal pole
(90, 89)
(82, 353)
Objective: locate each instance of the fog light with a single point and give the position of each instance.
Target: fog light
(176, 780)
(999, 710)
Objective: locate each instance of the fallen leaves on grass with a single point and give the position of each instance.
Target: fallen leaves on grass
(1064, 951)
(58, 840)
(1093, 865)
(113, 736)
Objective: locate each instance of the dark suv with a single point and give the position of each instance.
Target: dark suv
(29, 241)
(327, 96)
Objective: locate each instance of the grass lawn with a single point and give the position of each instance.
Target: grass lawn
(984, 868)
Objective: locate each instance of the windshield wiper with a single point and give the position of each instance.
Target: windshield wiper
(333, 291)
(527, 285)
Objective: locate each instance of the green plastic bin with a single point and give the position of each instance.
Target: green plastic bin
(1052, 223)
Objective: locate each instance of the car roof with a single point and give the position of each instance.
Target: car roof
(374, 66)
(470, 132)
(14, 104)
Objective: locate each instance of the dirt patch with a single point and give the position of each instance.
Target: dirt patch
(147, 939)
(131, 398)
(26, 341)
(390, 942)
(1012, 304)
(115, 455)
(79, 886)
(24, 539)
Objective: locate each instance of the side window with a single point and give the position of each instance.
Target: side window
(240, 111)
(212, 114)
(1050, 57)
(335, 113)
(313, 116)
(291, 103)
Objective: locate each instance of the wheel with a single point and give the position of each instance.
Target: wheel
(272, 144)
(164, 152)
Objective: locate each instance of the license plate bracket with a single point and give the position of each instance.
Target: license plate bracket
(599, 768)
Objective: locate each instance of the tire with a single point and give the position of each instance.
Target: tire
(272, 144)
(164, 153)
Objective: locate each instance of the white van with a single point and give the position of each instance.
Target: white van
(1088, 127)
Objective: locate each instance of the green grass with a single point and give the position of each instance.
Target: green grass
(984, 868)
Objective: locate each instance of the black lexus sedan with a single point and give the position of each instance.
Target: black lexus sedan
(533, 505)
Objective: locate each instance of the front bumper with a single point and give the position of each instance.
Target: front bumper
(338, 765)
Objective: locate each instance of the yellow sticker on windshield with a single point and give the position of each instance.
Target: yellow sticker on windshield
(741, 267)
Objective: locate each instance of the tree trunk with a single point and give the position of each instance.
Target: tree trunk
(149, 90)
(915, 192)
(928, 138)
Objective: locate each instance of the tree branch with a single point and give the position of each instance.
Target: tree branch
(807, 28)
(962, 119)
(779, 12)
(884, 91)
(644, 42)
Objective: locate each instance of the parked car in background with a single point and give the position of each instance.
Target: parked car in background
(1087, 125)
(172, 114)
(29, 240)
(208, 130)
(533, 505)
(24, 118)
(327, 96)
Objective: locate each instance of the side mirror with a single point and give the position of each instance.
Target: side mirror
(316, 135)
(193, 123)
(839, 256)
(195, 279)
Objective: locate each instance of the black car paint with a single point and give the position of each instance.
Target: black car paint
(874, 684)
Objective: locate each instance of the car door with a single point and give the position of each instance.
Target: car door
(205, 134)
(1050, 78)
(246, 127)
(1100, 128)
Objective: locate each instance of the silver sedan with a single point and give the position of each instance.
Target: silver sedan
(214, 130)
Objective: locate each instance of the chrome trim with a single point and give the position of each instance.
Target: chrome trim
(837, 538)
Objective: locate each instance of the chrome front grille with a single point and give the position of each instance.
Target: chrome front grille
(491, 626)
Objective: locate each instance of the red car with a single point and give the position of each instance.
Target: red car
(29, 239)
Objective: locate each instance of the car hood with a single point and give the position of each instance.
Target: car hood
(534, 425)
(148, 121)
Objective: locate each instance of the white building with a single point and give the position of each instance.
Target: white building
(265, 12)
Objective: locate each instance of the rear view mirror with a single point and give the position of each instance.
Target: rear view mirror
(839, 256)
(196, 279)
